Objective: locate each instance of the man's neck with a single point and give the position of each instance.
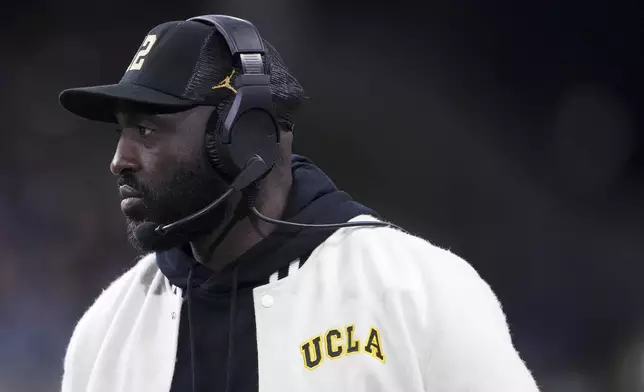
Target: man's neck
(241, 237)
(216, 252)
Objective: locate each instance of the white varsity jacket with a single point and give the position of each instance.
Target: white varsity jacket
(372, 309)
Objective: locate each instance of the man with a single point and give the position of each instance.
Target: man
(238, 303)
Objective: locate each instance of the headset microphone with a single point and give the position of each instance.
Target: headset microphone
(254, 169)
(153, 235)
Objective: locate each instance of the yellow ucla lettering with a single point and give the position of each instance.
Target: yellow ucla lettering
(333, 349)
(340, 342)
(373, 346)
(353, 346)
(312, 353)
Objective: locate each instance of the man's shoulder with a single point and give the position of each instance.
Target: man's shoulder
(94, 324)
(398, 257)
(389, 241)
(106, 303)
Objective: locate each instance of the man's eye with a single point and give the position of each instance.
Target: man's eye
(144, 132)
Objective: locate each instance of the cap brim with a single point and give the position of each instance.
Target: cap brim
(99, 103)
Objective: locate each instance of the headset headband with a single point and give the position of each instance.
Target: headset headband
(242, 38)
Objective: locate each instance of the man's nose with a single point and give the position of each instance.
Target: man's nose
(126, 157)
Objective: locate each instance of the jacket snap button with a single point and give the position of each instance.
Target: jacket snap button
(267, 301)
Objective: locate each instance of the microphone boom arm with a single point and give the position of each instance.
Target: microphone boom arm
(254, 169)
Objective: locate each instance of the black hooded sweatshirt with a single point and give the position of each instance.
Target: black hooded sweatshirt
(217, 347)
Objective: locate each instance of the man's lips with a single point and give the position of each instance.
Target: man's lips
(127, 191)
(130, 205)
(131, 200)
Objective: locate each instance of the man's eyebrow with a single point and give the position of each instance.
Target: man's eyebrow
(141, 119)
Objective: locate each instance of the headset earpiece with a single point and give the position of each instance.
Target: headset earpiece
(210, 145)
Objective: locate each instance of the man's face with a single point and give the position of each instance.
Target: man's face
(163, 173)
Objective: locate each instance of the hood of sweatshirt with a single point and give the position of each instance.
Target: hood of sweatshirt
(314, 199)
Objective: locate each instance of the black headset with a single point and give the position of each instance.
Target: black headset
(243, 145)
(248, 128)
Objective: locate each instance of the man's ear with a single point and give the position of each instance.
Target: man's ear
(286, 140)
(284, 153)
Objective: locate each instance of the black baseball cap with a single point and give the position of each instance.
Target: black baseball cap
(173, 70)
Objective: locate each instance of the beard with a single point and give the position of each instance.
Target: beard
(177, 194)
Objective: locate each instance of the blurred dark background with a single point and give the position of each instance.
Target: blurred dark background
(509, 132)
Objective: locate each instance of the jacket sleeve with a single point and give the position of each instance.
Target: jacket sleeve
(470, 348)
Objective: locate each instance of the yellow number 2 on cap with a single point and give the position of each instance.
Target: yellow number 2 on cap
(146, 46)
